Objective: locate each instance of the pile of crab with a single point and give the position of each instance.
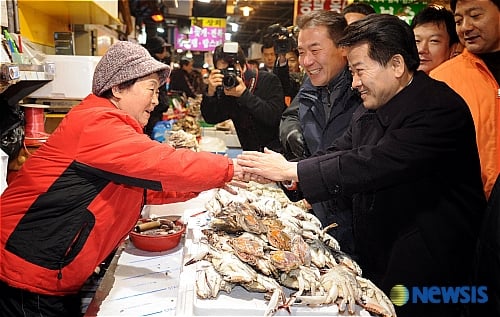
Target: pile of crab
(261, 241)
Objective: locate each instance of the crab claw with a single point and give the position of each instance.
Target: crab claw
(198, 257)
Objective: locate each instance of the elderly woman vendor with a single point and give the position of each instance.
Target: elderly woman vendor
(77, 197)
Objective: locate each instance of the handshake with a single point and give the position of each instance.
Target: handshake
(262, 167)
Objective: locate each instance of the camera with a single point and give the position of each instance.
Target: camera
(230, 79)
(282, 38)
(231, 73)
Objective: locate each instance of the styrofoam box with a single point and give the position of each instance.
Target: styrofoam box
(230, 139)
(239, 302)
(72, 79)
(185, 209)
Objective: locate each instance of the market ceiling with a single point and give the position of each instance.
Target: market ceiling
(251, 28)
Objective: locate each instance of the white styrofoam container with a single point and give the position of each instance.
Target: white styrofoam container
(185, 209)
(72, 79)
(231, 139)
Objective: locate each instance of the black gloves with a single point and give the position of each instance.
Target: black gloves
(295, 143)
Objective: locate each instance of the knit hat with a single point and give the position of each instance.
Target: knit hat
(125, 61)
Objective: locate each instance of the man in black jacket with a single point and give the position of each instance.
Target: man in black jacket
(252, 100)
(409, 160)
(160, 50)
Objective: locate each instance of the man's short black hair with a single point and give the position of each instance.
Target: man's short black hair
(156, 44)
(437, 14)
(267, 42)
(359, 7)
(386, 35)
(219, 55)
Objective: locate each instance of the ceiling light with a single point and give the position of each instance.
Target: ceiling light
(246, 10)
(234, 26)
(157, 17)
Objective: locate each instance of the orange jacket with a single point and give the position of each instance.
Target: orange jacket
(469, 76)
(79, 195)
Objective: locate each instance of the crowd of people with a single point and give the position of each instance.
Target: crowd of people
(418, 160)
(389, 130)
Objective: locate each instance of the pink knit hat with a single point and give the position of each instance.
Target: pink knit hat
(125, 61)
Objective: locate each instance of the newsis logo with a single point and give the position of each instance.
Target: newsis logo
(401, 295)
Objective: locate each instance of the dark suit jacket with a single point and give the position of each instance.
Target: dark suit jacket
(412, 169)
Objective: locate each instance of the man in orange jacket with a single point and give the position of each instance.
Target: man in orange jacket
(475, 74)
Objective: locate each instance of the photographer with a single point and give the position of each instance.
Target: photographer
(252, 100)
(284, 45)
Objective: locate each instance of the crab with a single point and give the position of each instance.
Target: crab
(209, 282)
(266, 243)
(340, 285)
(279, 239)
(374, 300)
(303, 278)
(236, 223)
(269, 285)
(250, 249)
(266, 207)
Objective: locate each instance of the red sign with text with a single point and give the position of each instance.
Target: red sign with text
(305, 6)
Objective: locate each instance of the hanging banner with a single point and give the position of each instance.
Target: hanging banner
(204, 35)
(405, 9)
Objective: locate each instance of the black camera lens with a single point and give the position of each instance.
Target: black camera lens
(230, 81)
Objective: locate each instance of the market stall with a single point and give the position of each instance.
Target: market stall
(171, 283)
